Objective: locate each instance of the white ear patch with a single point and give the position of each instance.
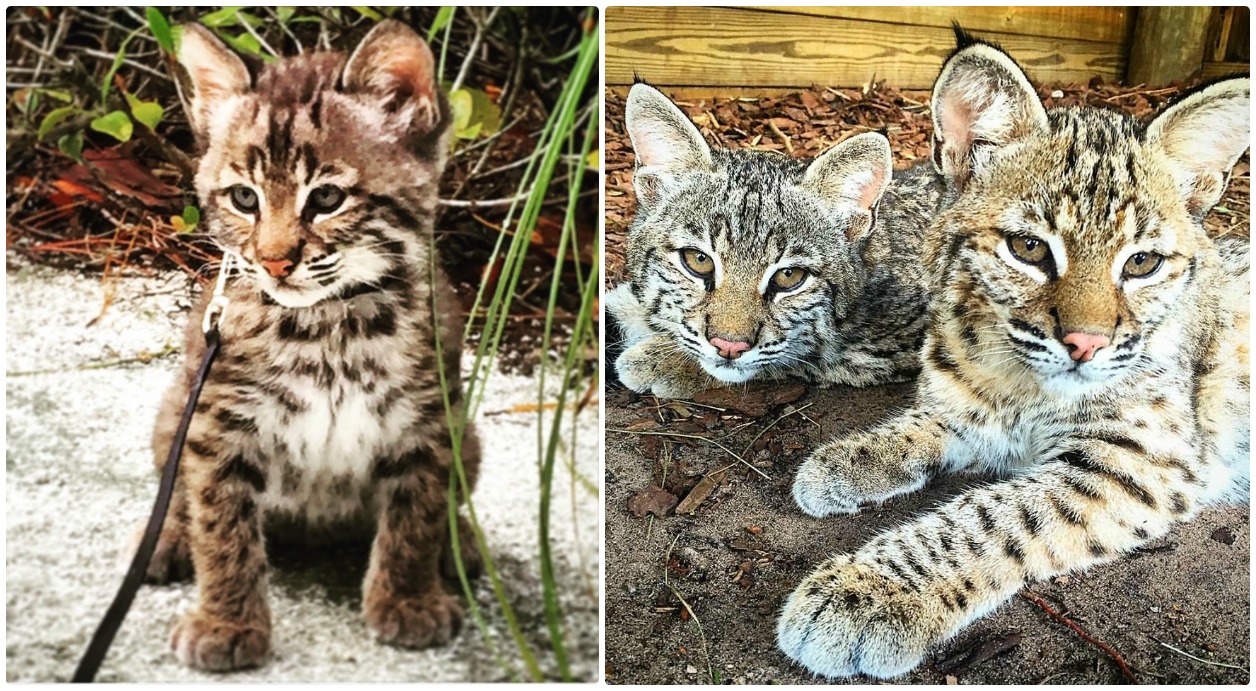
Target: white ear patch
(662, 136)
(1203, 136)
(856, 171)
(981, 97)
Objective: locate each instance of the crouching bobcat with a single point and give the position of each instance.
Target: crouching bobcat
(324, 412)
(1088, 342)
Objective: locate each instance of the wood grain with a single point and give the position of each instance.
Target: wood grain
(1108, 24)
(697, 46)
(1224, 69)
(1168, 44)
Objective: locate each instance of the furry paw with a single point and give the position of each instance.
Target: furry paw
(643, 369)
(424, 621)
(847, 619)
(823, 485)
(842, 476)
(206, 643)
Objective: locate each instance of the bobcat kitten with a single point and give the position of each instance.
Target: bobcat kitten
(745, 264)
(324, 409)
(1088, 341)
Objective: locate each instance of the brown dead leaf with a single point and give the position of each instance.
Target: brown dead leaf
(653, 500)
(701, 492)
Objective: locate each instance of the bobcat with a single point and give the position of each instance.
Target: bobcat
(1088, 342)
(745, 264)
(324, 412)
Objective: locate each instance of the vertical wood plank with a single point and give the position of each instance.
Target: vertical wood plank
(1168, 44)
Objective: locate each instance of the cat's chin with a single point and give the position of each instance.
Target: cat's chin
(729, 373)
(288, 296)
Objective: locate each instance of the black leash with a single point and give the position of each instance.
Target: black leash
(89, 665)
(103, 638)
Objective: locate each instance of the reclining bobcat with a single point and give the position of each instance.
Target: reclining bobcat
(745, 264)
(324, 411)
(1088, 340)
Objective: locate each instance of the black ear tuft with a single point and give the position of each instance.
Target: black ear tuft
(963, 39)
(638, 79)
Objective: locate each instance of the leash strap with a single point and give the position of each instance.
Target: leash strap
(89, 665)
(117, 611)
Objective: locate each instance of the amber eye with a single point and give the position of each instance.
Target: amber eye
(697, 262)
(244, 199)
(785, 280)
(1141, 265)
(326, 199)
(1029, 250)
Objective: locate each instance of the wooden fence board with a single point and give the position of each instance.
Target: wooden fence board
(1108, 24)
(695, 46)
(1225, 69)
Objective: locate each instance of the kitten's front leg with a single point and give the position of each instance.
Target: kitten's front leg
(878, 611)
(404, 602)
(230, 629)
(657, 365)
(893, 458)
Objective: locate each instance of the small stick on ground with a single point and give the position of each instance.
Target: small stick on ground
(693, 436)
(773, 424)
(1200, 659)
(789, 148)
(715, 678)
(1112, 652)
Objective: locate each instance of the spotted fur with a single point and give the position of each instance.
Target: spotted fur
(1098, 452)
(323, 416)
(858, 316)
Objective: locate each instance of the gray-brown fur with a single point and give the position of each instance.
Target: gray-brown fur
(859, 318)
(1113, 404)
(323, 416)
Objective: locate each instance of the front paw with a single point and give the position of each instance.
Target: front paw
(675, 375)
(824, 485)
(422, 621)
(203, 642)
(846, 619)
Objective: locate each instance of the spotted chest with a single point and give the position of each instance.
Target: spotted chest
(345, 387)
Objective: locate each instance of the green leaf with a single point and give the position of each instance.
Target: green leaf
(443, 17)
(161, 29)
(148, 113)
(72, 145)
(55, 118)
(63, 96)
(113, 69)
(460, 106)
(191, 217)
(246, 43)
(116, 124)
(369, 13)
(227, 16)
(474, 113)
(285, 13)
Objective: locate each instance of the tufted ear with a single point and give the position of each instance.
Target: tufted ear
(217, 74)
(395, 64)
(1204, 135)
(854, 174)
(982, 100)
(665, 140)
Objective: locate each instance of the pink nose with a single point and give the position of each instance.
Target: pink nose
(730, 350)
(1083, 346)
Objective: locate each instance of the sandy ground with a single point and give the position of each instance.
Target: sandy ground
(79, 481)
(1190, 590)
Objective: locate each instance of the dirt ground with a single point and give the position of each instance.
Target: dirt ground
(736, 559)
